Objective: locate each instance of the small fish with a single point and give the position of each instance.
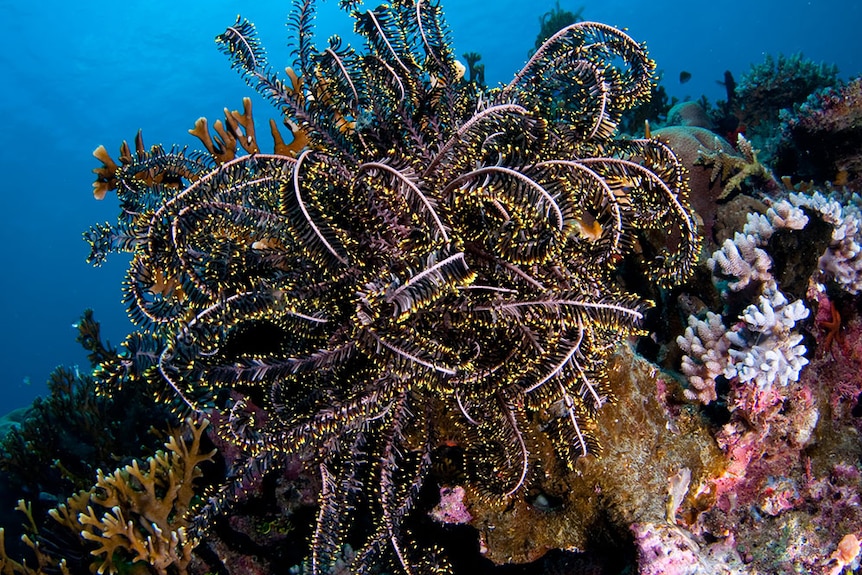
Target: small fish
(684, 77)
(588, 227)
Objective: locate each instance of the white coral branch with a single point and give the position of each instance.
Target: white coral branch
(784, 215)
(765, 349)
(706, 347)
(842, 260)
(740, 258)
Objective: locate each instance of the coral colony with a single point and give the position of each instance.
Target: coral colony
(406, 319)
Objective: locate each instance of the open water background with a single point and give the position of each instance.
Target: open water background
(74, 75)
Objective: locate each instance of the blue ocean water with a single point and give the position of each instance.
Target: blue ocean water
(80, 74)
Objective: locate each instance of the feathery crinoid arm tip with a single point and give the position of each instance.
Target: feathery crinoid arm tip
(241, 44)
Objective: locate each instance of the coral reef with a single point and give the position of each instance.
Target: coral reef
(427, 262)
(592, 509)
(790, 443)
(406, 341)
(774, 85)
(821, 138)
(779, 83)
(761, 346)
(142, 515)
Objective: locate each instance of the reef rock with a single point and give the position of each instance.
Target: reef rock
(649, 437)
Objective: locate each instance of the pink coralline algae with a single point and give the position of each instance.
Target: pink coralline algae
(663, 550)
(838, 361)
(452, 508)
(788, 488)
(668, 550)
(792, 465)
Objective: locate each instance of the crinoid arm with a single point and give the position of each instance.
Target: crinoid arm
(586, 75)
(421, 260)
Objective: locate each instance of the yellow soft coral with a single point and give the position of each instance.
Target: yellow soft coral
(140, 513)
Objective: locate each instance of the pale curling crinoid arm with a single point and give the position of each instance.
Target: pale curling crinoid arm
(426, 259)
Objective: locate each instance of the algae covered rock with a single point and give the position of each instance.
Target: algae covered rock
(648, 437)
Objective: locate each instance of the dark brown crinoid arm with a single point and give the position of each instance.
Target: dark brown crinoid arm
(420, 261)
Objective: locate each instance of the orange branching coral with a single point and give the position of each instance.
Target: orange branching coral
(44, 563)
(141, 514)
(300, 137)
(237, 130)
(110, 174)
(138, 514)
(222, 146)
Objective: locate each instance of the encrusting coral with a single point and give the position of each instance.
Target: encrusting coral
(426, 259)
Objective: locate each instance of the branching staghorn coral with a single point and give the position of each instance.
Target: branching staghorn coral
(841, 262)
(765, 349)
(706, 355)
(422, 255)
(741, 262)
(761, 345)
